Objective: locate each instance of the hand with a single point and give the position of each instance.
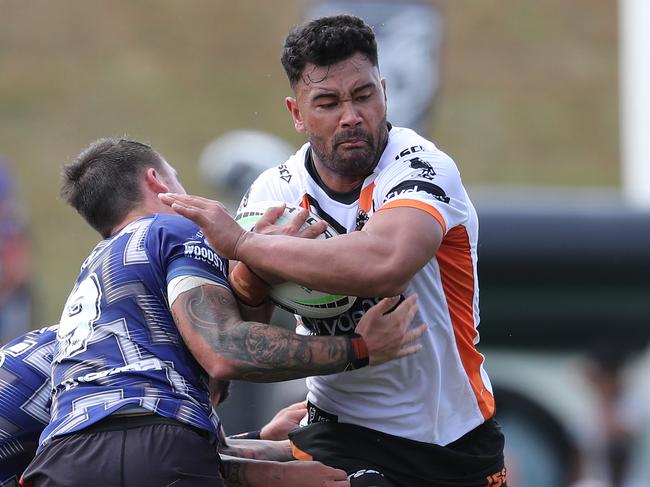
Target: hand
(311, 474)
(285, 420)
(267, 224)
(222, 232)
(386, 333)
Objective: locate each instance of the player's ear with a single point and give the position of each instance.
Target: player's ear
(292, 106)
(153, 180)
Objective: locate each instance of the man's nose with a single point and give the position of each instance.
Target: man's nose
(350, 116)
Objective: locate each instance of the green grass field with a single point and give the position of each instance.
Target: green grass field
(529, 95)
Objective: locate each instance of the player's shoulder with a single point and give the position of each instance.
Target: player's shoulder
(285, 182)
(162, 232)
(405, 144)
(287, 172)
(38, 336)
(409, 152)
(165, 224)
(43, 339)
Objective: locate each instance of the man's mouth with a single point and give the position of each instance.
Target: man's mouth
(353, 143)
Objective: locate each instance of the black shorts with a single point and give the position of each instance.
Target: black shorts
(128, 451)
(372, 458)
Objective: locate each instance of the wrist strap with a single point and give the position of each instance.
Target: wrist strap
(358, 355)
(248, 287)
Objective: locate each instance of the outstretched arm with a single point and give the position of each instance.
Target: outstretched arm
(229, 348)
(285, 421)
(255, 473)
(377, 261)
(279, 451)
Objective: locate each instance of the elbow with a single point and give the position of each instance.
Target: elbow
(388, 288)
(221, 369)
(384, 281)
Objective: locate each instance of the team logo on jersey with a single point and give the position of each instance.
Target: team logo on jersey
(412, 186)
(362, 218)
(199, 250)
(285, 175)
(244, 200)
(426, 169)
(341, 324)
(410, 150)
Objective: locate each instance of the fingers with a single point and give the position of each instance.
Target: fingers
(415, 333)
(314, 230)
(186, 199)
(295, 414)
(409, 306)
(167, 198)
(384, 306)
(271, 215)
(299, 219)
(298, 405)
(410, 350)
(189, 212)
(338, 474)
(408, 345)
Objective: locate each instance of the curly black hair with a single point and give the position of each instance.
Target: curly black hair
(325, 41)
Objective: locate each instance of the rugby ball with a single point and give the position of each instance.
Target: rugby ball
(290, 296)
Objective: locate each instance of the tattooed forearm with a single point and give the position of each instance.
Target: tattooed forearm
(241, 472)
(234, 472)
(279, 451)
(259, 352)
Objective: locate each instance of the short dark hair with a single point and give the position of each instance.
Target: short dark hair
(325, 41)
(103, 182)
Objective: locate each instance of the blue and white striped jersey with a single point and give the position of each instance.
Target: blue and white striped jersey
(117, 343)
(24, 399)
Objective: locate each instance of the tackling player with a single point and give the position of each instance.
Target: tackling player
(24, 399)
(409, 227)
(150, 317)
(25, 388)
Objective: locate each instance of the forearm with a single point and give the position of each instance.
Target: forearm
(240, 472)
(279, 451)
(261, 314)
(229, 348)
(358, 263)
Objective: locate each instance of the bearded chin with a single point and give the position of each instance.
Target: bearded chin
(359, 163)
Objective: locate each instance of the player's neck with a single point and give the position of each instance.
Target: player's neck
(337, 182)
(142, 210)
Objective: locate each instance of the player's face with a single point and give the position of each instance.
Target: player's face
(170, 178)
(342, 109)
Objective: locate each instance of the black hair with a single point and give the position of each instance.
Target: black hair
(326, 41)
(103, 182)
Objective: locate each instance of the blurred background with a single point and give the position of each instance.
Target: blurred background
(525, 96)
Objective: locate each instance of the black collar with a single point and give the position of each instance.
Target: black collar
(346, 198)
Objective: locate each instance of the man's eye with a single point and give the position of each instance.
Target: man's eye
(327, 105)
(364, 97)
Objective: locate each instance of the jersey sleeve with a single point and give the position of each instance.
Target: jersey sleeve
(430, 182)
(264, 188)
(186, 253)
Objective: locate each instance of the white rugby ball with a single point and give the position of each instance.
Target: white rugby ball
(290, 296)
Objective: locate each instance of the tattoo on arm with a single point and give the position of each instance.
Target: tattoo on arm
(234, 473)
(278, 451)
(260, 352)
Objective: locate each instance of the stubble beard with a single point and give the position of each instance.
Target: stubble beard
(353, 163)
